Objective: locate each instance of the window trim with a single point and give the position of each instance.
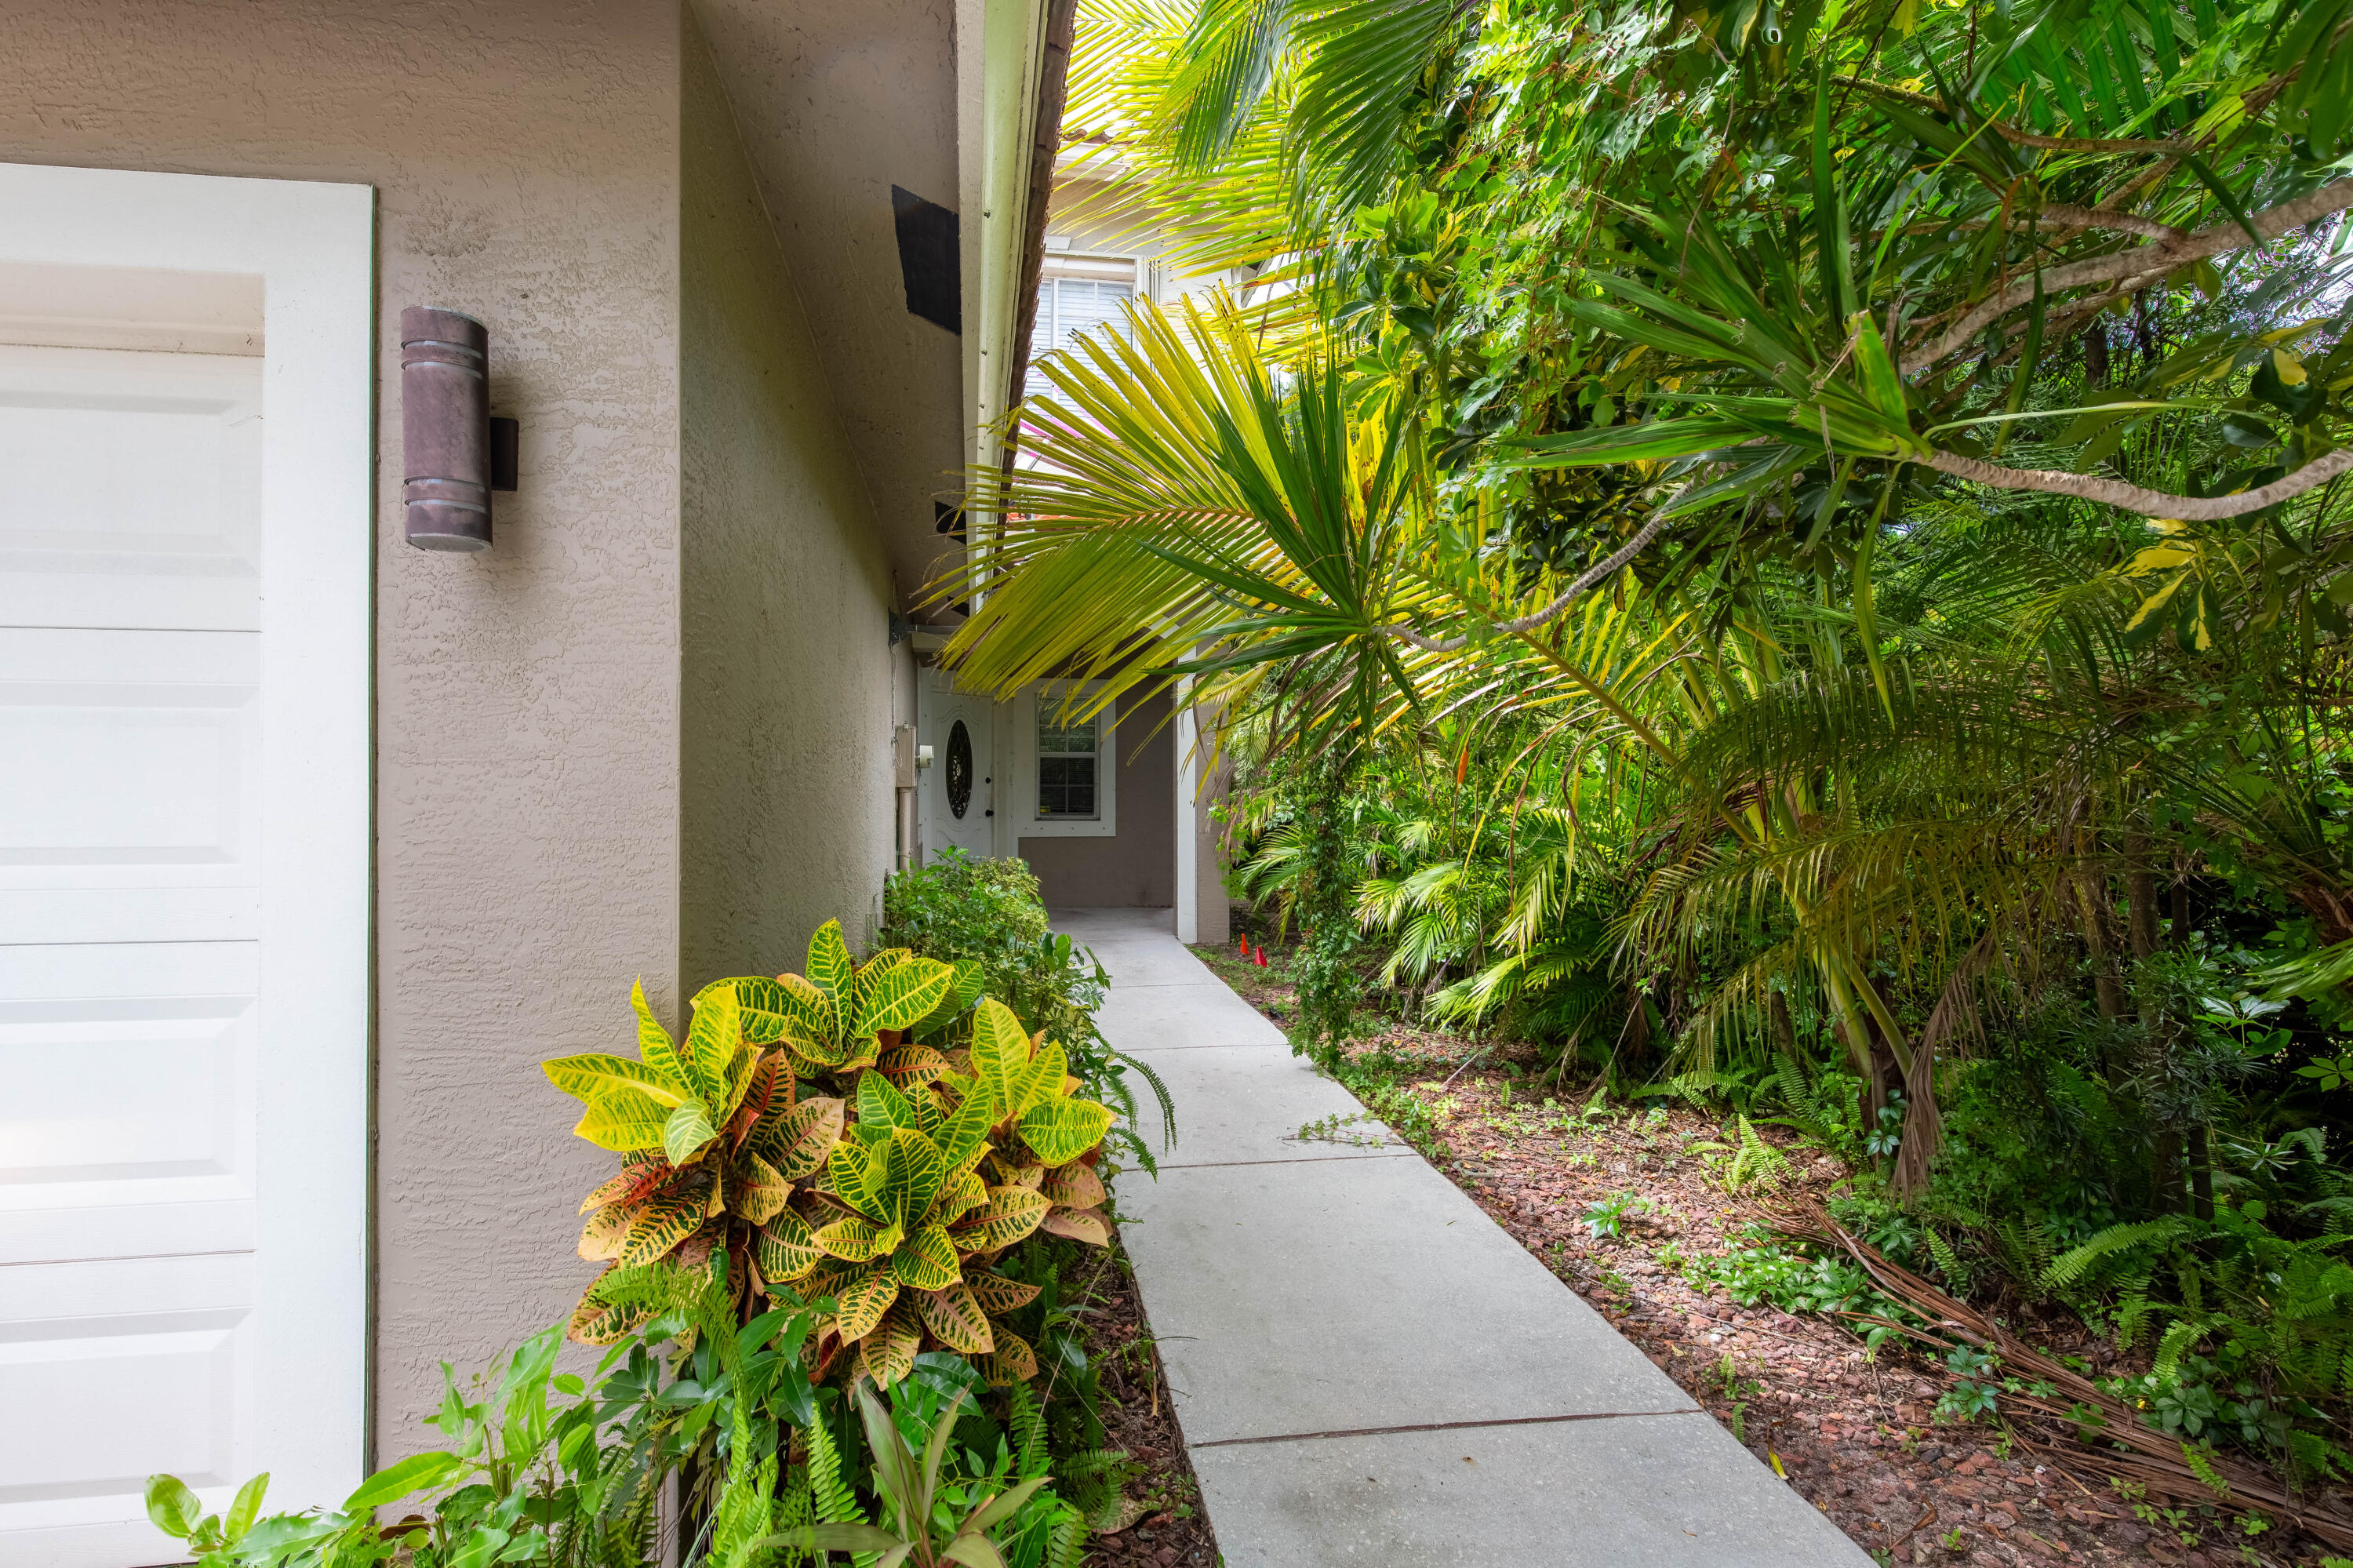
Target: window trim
(1106, 824)
(1143, 284)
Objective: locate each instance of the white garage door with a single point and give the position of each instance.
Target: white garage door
(149, 1120)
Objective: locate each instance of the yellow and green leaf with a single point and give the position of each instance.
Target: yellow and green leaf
(855, 1174)
(998, 1295)
(829, 967)
(926, 1260)
(856, 1240)
(760, 1006)
(602, 1237)
(1011, 1361)
(786, 1250)
(598, 1322)
(964, 1141)
(597, 1073)
(686, 1132)
(1080, 1225)
(908, 1066)
(812, 1024)
(1060, 1129)
(864, 1301)
(653, 1041)
(1011, 1213)
(796, 1140)
(831, 1277)
(622, 1125)
(888, 1353)
(881, 1104)
(956, 1319)
(913, 1172)
(962, 1192)
(901, 994)
(666, 1220)
(1001, 1056)
(759, 1190)
(712, 1038)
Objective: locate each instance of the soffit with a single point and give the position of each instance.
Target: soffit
(838, 101)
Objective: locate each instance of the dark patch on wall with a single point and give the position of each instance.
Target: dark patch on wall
(948, 520)
(930, 259)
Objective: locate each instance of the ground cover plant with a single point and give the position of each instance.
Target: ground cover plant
(1787, 558)
(1918, 1453)
(852, 1257)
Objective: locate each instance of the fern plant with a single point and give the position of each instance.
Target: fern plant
(909, 1488)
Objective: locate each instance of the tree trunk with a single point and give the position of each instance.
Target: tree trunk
(2165, 1172)
(2180, 909)
(2140, 895)
(1785, 1031)
(2107, 989)
(2201, 1171)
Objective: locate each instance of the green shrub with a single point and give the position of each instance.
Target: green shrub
(964, 910)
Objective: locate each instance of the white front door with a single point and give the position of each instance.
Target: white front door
(960, 787)
(179, 1269)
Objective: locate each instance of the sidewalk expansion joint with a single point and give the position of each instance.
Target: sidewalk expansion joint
(1443, 1426)
(1220, 1045)
(1297, 1160)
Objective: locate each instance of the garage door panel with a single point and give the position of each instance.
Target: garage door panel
(129, 1127)
(149, 1355)
(130, 474)
(137, 1090)
(128, 762)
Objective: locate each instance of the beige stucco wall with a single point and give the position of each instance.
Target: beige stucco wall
(787, 812)
(1137, 867)
(526, 159)
(1213, 905)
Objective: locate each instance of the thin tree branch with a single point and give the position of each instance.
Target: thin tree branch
(1586, 581)
(2149, 502)
(2143, 261)
(2059, 215)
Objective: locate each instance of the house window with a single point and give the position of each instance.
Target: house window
(1077, 294)
(1068, 753)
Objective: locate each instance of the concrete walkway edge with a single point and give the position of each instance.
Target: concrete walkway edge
(1368, 1370)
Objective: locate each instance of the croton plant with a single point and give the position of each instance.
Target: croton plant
(874, 1134)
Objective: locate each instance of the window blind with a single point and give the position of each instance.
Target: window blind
(1068, 305)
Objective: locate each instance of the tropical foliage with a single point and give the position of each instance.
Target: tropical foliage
(989, 914)
(829, 1172)
(1797, 553)
(888, 1195)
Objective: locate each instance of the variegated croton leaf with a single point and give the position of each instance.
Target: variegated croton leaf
(913, 1155)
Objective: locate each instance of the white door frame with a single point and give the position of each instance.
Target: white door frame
(313, 245)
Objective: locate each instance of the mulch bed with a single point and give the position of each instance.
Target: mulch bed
(1853, 1434)
(1166, 1527)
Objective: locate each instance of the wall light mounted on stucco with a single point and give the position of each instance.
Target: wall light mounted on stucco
(454, 454)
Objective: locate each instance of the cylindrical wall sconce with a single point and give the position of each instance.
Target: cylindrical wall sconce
(449, 449)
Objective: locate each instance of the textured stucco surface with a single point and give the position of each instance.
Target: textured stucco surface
(838, 101)
(1139, 867)
(1214, 905)
(787, 673)
(525, 155)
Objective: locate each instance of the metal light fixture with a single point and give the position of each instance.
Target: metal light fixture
(454, 454)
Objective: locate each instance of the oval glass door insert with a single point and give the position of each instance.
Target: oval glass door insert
(959, 769)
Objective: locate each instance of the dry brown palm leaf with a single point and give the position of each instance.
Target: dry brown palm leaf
(2151, 1458)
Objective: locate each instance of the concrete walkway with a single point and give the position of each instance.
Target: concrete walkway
(1369, 1371)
